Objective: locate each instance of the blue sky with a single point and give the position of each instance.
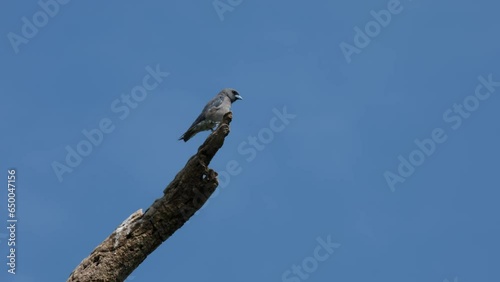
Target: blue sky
(322, 177)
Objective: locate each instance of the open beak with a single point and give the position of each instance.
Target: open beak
(238, 97)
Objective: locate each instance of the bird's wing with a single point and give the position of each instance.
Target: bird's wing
(214, 103)
(210, 106)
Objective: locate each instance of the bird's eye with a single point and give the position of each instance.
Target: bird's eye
(234, 92)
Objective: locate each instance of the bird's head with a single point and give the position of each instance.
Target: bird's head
(232, 94)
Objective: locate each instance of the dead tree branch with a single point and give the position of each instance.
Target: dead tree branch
(140, 234)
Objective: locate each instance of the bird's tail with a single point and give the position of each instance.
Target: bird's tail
(189, 133)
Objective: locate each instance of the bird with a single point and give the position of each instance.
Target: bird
(213, 112)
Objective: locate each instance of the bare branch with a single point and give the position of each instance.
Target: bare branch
(140, 234)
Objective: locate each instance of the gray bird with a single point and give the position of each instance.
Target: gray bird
(213, 112)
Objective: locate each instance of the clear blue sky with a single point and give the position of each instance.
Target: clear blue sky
(323, 176)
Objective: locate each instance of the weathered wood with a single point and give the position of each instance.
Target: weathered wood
(140, 234)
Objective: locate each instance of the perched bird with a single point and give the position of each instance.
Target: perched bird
(213, 112)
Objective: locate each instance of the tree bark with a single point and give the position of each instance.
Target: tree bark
(141, 233)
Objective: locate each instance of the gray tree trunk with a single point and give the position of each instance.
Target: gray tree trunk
(140, 234)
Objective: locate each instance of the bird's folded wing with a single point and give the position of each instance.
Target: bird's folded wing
(214, 103)
(211, 105)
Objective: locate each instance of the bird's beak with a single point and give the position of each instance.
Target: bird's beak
(238, 97)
